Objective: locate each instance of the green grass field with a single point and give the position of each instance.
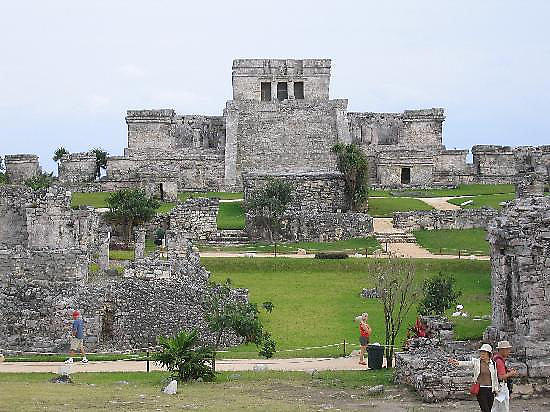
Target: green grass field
(384, 207)
(140, 391)
(231, 216)
(479, 201)
(460, 190)
(317, 300)
(99, 200)
(450, 241)
(349, 246)
(123, 254)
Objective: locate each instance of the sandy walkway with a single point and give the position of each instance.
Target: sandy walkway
(413, 250)
(295, 364)
(440, 203)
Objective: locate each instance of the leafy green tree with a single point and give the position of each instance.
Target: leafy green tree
(100, 160)
(439, 295)
(268, 205)
(224, 313)
(185, 358)
(130, 207)
(59, 152)
(353, 164)
(40, 181)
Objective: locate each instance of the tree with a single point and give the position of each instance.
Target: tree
(394, 282)
(185, 358)
(3, 178)
(59, 152)
(224, 313)
(100, 160)
(40, 181)
(353, 164)
(439, 294)
(130, 207)
(268, 205)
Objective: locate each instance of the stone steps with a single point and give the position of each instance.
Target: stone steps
(395, 237)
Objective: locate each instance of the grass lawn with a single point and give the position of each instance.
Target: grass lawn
(231, 216)
(140, 391)
(121, 254)
(450, 241)
(484, 201)
(384, 207)
(317, 300)
(183, 196)
(99, 200)
(350, 246)
(460, 190)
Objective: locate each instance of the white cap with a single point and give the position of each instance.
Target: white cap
(486, 347)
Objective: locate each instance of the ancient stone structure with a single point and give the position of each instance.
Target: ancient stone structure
(520, 258)
(444, 219)
(195, 217)
(20, 167)
(282, 120)
(319, 210)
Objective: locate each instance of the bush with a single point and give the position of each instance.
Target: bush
(41, 181)
(439, 295)
(159, 235)
(185, 358)
(331, 255)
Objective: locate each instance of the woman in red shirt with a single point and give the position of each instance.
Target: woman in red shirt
(364, 334)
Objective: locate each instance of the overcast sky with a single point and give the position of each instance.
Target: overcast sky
(69, 70)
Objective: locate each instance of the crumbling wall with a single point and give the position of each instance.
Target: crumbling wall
(444, 219)
(422, 128)
(520, 274)
(13, 219)
(20, 167)
(77, 168)
(195, 217)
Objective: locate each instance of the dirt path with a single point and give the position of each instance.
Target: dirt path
(440, 203)
(294, 364)
(413, 250)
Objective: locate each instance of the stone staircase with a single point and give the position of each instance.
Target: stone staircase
(229, 237)
(394, 237)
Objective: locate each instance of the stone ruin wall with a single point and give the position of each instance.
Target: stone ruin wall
(520, 273)
(77, 168)
(196, 217)
(318, 211)
(20, 167)
(444, 219)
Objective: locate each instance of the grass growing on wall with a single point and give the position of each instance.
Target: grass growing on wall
(384, 207)
(317, 300)
(450, 241)
(231, 216)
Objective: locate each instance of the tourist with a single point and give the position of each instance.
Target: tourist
(77, 338)
(502, 400)
(364, 334)
(485, 377)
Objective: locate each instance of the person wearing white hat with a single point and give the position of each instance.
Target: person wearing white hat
(502, 399)
(485, 377)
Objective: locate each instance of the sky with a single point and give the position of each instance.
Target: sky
(69, 70)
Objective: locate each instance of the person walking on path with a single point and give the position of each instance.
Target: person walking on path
(364, 334)
(502, 400)
(485, 375)
(77, 338)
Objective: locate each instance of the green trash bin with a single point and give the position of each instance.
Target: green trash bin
(375, 356)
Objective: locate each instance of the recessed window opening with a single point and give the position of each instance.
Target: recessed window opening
(298, 90)
(266, 91)
(405, 175)
(282, 91)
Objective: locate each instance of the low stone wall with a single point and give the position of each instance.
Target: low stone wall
(444, 219)
(317, 226)
(196, 217)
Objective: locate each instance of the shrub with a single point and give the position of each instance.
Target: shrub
(439, 294)
(331, 255)
(159, 235)
(41, 181)
(185, 358)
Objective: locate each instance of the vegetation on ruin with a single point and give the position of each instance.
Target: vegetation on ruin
(439, 294)
(41, 181)
(317, 300)
(460, 190)
(140, 391)
(451, 241)
(59, 153)
(384, 207)
(100, 160)
(494, 201)
(128, 254)
(353, 164)
(3, 178)
(99, 200)
(268, 206)
(350, 246)
(130, 207)
(231, 216)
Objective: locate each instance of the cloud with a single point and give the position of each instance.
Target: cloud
(98, 103)
(131, 70)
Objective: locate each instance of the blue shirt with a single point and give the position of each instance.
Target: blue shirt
(78, 327)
